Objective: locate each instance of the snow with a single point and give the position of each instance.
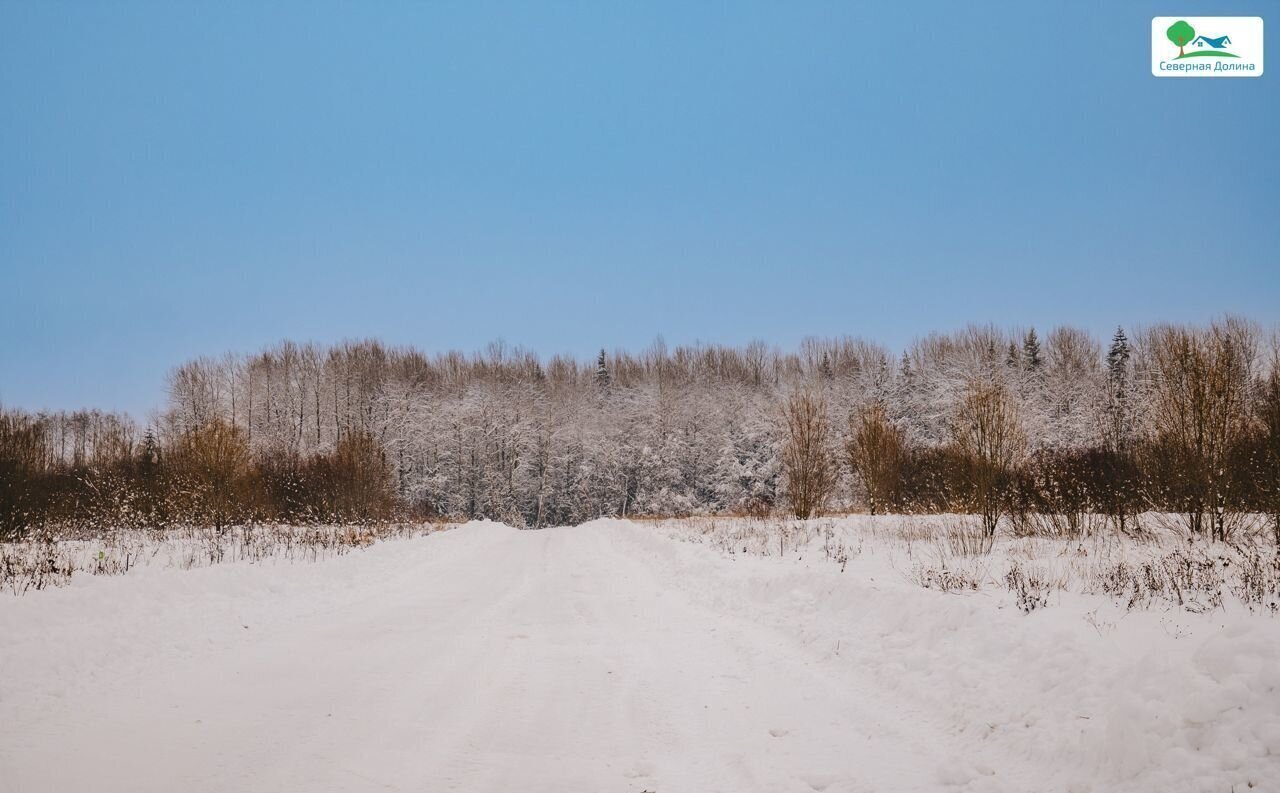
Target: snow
(625, 656)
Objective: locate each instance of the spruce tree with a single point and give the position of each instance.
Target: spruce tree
(824, 367)
(1120, 498)
(1118, 358)
(602, 371)
(1031, 351)
(883, 377)
(150, 448)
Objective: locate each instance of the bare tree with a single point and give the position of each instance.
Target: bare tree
(1201, 388)
(988, 437)
(23, 454)
(354, 482)
(877, 453)
(1268, 464)
(806, 459)
(213, 463)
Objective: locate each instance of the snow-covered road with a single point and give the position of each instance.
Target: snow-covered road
(479, 659)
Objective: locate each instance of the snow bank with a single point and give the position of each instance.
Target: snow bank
(1081, 695)
(100, 633)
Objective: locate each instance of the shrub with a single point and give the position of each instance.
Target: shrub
(965, 539)
(1029, 585)
(806, 459)
(1189, 578)
(945, 579)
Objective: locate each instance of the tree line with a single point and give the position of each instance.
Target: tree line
(1044, 435)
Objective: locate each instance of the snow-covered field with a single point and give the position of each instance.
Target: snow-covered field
(697, 655)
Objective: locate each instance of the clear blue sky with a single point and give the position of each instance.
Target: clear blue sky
(179, 180)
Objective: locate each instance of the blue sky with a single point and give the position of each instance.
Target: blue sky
(178, 180)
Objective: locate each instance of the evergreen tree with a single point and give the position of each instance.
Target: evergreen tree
(603, 378)
(150, 455)
(1118, 359)
(1031, 357)
(150, 487)
(1117, 410)
(824, 367)
(883, 378)
(991, 362)
(1014, 359)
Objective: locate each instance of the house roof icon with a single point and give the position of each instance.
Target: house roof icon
(1217, 43)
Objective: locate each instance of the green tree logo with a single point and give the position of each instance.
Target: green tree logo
(1181, 34)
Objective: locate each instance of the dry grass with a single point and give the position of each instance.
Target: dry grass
(1153, 568)
(35, 564)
